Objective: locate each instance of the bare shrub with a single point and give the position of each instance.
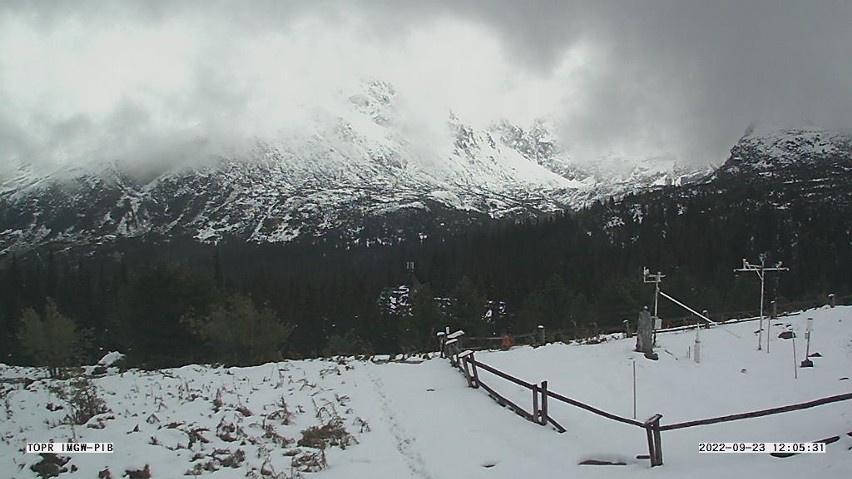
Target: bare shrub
(83, 401)
(309, 462)
(50, 465)
(332, 433)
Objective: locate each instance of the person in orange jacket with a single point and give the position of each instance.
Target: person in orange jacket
(506, 343)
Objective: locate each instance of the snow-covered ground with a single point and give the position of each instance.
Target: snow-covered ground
(420, 420)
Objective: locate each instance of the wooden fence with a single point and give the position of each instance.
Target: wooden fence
(538, 413)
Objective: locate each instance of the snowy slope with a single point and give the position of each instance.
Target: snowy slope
(420, 420)
(765, 149)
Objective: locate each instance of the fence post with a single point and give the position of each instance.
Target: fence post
(474, 372)
(655, 446)
(659, 440)
(465, 361)
(650, 435)
(456, 350)
(452, 352)
(536, 412)
(543, 415)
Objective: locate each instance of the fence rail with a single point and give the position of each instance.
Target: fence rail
(761, 413)
(497, 372)
(592, 409)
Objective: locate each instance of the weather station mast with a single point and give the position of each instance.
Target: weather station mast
(649, 278)
(760, 270)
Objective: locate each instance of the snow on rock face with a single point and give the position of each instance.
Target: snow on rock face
(767, 147)
(356, 157)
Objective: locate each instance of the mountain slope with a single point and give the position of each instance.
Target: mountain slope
(354, 170)
(803, 164)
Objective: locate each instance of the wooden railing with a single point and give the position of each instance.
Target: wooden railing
(761, 413)
(538, 413)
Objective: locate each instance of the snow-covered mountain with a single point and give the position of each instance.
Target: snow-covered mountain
(768, 149)
(791, 164)
(356, 170)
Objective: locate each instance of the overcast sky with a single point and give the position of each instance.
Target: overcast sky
(167, 80)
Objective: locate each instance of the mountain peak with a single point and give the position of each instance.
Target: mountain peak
(771, 150)
(784, 141)
(354, 171)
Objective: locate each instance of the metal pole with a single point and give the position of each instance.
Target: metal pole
(808, 344)
(760, 337)
(656, 295)
(807, 363)
(656, 301)
(761, 270)
(634, 389)
(696, 352)
(808, 331)
(795, 369)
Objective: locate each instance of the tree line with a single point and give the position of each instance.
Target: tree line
(167, 304)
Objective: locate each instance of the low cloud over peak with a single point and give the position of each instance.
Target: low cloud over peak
(167, 81)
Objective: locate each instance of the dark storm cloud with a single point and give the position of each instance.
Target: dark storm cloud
(630, 79)
(691, 75)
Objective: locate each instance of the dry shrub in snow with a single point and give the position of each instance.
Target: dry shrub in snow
(332, 433)
(309, 462)
(50, 465)
(83, 400)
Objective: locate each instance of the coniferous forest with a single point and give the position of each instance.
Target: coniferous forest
(177, 302)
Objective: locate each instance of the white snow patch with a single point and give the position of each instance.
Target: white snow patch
(110, 358)
(420, 420)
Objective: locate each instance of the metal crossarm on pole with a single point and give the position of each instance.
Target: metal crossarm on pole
(761, 270)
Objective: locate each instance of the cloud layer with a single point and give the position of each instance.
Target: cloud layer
(164, 81)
